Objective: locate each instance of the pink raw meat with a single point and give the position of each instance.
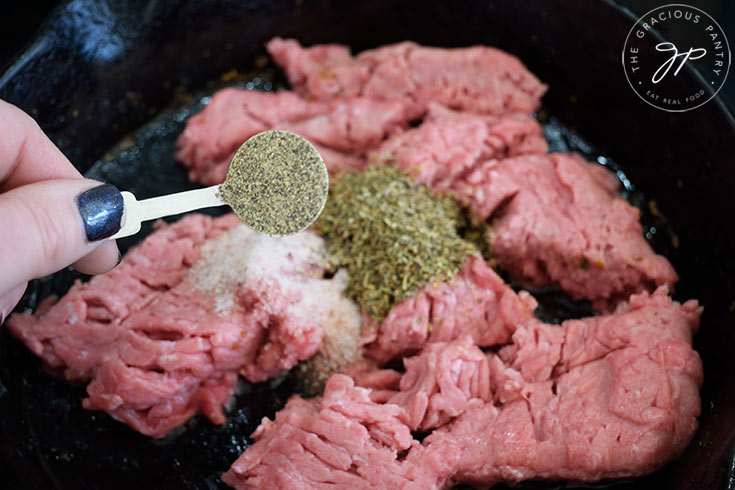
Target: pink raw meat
(448, 145)
(440, 381)
(475, 302)
(475, 79)
(341, 440)
(624, 400)
(556, 219)
(610, 396)
(152, 347)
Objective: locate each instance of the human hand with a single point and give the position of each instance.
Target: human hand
(47, 219)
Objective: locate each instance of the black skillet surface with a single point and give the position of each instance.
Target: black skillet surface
(100, 70)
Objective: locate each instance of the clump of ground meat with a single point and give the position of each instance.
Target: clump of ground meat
(556, 219)
(605, 397)
(475, 79)
(166, 333)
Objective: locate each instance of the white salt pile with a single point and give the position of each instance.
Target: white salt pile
(297, 264)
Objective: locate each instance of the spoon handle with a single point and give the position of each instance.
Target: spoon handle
(135, 212)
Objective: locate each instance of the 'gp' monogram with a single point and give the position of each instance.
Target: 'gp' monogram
(692, 54)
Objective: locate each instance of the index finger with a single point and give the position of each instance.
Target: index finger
(27, 155)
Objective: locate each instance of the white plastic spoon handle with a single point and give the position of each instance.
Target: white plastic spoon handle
(135, 212)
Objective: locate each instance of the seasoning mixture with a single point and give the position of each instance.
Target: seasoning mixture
(240, 256)
(277, 183)
(296, 264)
(392, 236)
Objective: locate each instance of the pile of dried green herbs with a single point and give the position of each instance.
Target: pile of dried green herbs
(392, 236)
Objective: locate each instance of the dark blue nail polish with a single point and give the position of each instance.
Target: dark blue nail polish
(101, 209)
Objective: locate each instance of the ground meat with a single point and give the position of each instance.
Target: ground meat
(557, 219)
(623, 400)
(476, 79)
(475, 302)
(341, 129)
(157, 338)
(343, 439)
(448, 145)
(609, 396)
(440, 382)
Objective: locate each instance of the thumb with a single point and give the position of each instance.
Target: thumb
(50, 224)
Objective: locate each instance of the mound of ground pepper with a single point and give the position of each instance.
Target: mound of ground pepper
(392, 236)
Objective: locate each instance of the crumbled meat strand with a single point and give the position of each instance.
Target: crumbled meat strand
(448, 145)
(440, 381)
(443, 379)
(475, 79)
(343, 440)
(341, 130)
(475, 302)
(165, 334)
(535, 350)
(611, 396)
(556, 219)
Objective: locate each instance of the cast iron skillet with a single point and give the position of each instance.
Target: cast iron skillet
(100, 70)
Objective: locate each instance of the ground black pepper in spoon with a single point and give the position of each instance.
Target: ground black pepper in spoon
(277, 184)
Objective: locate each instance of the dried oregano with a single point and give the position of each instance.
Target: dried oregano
(392, 236)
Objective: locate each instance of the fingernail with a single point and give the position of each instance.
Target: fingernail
(5, 313)
(119, 258)
(101, 209)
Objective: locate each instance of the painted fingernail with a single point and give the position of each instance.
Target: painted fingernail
(101, 209)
